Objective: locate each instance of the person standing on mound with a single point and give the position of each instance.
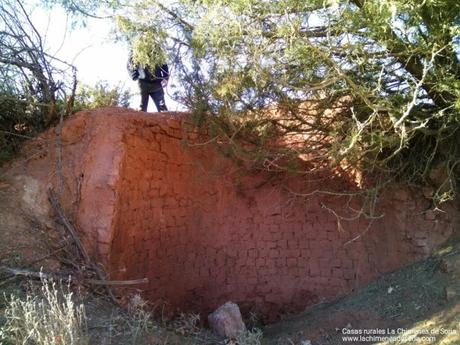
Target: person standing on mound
(151, 83)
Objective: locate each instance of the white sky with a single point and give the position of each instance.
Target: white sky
(92, 50)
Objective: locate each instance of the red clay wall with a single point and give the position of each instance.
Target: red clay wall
(204, 234)
(203, 231)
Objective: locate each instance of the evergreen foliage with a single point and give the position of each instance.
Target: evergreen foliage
(389, 68)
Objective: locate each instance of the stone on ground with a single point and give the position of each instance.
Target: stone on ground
(226, 321)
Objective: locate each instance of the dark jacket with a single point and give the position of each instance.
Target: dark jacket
(137, 72)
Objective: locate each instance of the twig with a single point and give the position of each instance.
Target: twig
(59, 152)
(41, 275)
(16, 134)
(7, 280)
(117, 282)
(357, 237)
(69, 227)
(26, 273)
(73, 233)
(44, 257)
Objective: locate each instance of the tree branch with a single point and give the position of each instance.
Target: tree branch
(413, 64)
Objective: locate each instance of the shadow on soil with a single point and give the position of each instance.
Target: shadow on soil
(418, 304)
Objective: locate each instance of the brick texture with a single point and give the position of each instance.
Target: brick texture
(155, 203)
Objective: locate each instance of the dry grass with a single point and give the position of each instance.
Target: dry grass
(139, 321)
(50, 317)
(252, 337)
(187, 324)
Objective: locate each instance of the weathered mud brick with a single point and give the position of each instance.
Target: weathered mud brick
(274, 253)
(176, 194)
(291, 262)
(293, 243)
(314, 269)
(337, 273)
(321, 233)
(280, 262)
(282, 244)
(348, 274)
(294, 271)
(292, 253)
(346, 263)
(288, 234)
(274, 229)
(252, 253)
(260, 262)
(302, 262)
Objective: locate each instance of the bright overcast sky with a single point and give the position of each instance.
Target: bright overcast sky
(92, 50)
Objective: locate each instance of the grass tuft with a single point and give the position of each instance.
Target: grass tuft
(50, 317)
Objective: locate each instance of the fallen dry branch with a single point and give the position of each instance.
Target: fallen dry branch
(47, 256)
(61, 276)
(117, 282)
(52, 197)
(67, 224)
(26, 273)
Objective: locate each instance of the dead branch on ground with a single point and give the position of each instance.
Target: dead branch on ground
(61, 276)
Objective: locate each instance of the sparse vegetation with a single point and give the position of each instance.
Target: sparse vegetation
(250, 337)
(100, 95)
(187, 324)
(140, 319)
(50, 317)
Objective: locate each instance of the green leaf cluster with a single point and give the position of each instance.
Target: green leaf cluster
(100, 95)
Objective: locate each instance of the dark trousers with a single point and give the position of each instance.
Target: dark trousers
(154, 90)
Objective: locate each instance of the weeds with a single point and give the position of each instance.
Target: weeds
(140, 319)
(187, 324)
(50, 317)
(252, 337)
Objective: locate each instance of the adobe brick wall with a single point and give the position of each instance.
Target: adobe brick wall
(203, 231)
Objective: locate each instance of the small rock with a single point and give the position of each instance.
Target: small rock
(226, 321)
(305, 342)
